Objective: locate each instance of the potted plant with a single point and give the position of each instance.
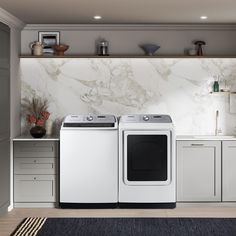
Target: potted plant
(36, 115)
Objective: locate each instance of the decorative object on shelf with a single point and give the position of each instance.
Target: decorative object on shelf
(37, 115)
(49, 39)
(224, 85)
(192, 52)
(60, 49)
(38, 131)
(149, 49)
(216, 87)
(102, 47)
(49, 127)
(37, 48)
(199, 45)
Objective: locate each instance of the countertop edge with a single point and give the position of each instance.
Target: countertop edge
(178, 138)
(29, 138)
(191, 137)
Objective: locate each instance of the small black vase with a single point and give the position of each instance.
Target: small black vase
(37, 131)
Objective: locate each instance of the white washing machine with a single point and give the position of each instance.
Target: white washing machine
(147, 162)
(89, 162)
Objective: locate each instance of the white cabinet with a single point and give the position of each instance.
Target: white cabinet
(35, 172)
(198, 171)
(229, 171)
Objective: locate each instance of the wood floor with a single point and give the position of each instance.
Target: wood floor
(10, 220)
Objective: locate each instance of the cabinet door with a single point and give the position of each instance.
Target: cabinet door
(33, 149)
(198, 171)
(33, 166)
(229, 171)
(34, 188)
(4, 116)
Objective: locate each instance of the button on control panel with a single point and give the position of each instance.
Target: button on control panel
(145, 118)
(89, 118)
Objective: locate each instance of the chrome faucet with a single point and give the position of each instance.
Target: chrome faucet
(217, 130)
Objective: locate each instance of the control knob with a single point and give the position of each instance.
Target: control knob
(145, 118)
(89, 118)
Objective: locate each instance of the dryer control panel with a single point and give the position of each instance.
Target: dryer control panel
(146, 118)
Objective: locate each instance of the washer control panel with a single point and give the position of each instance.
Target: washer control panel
(90, 121)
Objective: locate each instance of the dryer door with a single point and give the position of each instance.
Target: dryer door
(147, 157)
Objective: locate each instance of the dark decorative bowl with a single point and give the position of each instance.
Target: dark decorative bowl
(37, 131)
(149, 49)
(60, 49)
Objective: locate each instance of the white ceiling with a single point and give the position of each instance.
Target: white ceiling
(121, 11)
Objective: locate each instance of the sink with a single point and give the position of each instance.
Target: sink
(214, 136)
(207, 137)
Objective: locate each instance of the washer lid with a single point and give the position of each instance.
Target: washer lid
(146, 118)
(89, 121)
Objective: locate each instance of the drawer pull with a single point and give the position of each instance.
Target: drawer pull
(35, 161)
(35, 178)
(197, 144)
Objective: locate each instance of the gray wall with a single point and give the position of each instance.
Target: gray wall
(173, 39)
(15, 94)
(15, 82)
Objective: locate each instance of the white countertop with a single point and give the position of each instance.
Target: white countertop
(206, 137)
(30, 138)
(178, 138)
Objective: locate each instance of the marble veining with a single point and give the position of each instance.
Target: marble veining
(179, 87)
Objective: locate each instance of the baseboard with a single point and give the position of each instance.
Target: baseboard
(4, 208)
(205, 204)
(35, 205)
(10, 208)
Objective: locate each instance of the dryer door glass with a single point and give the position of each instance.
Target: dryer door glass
(147, 157)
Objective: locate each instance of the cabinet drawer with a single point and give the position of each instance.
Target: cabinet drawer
(35, 166)
(34, 188)
(35, 149)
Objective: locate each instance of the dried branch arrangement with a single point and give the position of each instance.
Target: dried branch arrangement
(36, 110)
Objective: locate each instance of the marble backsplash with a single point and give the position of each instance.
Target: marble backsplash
(179, 87)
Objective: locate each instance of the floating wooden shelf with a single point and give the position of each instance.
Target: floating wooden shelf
(128, 56)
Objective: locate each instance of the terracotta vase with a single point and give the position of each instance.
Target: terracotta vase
(37, 131)
(60, 49)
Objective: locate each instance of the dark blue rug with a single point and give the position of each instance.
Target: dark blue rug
(138, 227)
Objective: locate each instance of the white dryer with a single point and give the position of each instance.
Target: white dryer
(147, 162)
(89, 162)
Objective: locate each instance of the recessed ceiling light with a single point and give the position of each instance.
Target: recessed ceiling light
(203, 17)
(97, 17)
